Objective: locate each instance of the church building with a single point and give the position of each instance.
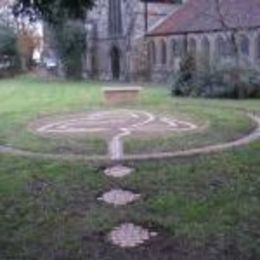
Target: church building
(127, 41)
(217, 33)
(116, 32)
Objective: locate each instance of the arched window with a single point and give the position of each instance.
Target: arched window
(258, 47)
(175, 48)
(206, 51)
(152, 52)
(115, 62)
(224, 47)
(115, 17)
(163, 52)
(229, 47)
(205, 46)
(192, 47)
(220, 47)
(244, 45)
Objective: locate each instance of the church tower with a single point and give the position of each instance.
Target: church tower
(114, 28)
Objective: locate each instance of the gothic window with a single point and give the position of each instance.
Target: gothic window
(193, 47)
(258, 47)
(175, 49)
(220, 46)
(163, 52)
(152, 52)
(225, 47)
(115, 62)
(244, 45)
(229, 48)
(115, 18)
(205, 46)
(206, 51)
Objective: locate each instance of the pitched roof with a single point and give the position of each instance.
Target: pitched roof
(203, 15)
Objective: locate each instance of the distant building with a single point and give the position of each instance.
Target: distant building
(216, 33)
(115, 39)
(117, 48)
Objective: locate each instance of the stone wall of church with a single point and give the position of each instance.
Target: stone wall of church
(134, 56)
(210, 50)
(99, 61)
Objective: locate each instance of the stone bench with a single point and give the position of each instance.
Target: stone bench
(121, 95)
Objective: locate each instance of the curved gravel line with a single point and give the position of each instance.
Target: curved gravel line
(250, 138)
(253, 136)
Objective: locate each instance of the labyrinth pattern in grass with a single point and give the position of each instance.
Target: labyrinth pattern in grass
(114, 125)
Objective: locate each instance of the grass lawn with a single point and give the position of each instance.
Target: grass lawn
(24, 101)
(205, 207)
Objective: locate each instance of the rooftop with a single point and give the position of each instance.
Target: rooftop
(204, 16)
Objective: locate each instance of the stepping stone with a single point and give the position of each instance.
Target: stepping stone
(129, 235)
(119, 197)
(118, 171)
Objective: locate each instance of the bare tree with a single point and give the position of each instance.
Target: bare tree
(222, 18)
(231, 23)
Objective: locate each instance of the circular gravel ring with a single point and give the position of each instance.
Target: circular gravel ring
(247, 139)
(110, 123)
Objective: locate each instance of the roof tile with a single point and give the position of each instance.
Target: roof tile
(202, 15)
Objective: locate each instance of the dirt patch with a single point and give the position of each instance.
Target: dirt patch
(161, 247)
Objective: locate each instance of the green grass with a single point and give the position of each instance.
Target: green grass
(205, 207)
(25, 100)
(221, 125)
(50, 208)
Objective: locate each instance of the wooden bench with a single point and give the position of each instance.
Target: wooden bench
(121, 95)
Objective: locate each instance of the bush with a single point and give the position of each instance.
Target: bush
(232, 82)
(72, 45)
(185, 79)
(250, 82)
(9, 55)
